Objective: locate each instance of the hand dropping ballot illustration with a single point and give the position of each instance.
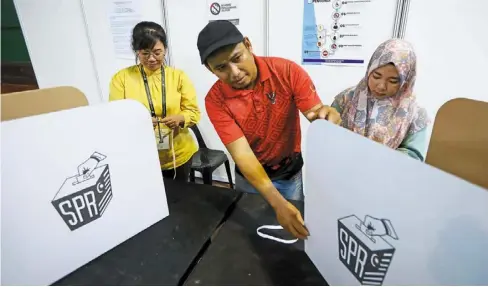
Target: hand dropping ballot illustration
(364, 247)
(84, 197)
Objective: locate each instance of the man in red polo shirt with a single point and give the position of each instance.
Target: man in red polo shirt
(254, 107)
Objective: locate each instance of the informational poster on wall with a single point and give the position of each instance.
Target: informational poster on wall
(223, 10)
(123, 16)
(334, 32)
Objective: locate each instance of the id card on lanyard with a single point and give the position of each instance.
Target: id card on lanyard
(162, 134)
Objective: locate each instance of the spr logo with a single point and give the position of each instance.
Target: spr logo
(363, 247)
(85, 196)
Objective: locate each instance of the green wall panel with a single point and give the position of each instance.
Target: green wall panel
(13, 47)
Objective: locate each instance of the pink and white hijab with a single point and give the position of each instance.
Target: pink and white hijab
(386, 120)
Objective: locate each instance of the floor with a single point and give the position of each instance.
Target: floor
(17, 77)
(214, 183)
(7, 88)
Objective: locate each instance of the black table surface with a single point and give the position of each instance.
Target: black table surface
(238, 256)
(162, 254)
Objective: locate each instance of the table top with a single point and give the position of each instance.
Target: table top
(238, 255)
(161, 254)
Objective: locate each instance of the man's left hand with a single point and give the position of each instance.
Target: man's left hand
(325, 113)
(173, 121)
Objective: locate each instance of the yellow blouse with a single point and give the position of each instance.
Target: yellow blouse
(180, 99)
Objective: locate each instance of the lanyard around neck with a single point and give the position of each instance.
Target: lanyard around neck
(148, 92)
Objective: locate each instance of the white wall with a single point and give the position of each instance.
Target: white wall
(65, 50)
(57, 42)
(451, 43)
(96, 14)
(185, 24)
(449, 37)
(285, 40)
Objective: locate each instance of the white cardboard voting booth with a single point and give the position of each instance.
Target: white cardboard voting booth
(379, 217)
(75, 184)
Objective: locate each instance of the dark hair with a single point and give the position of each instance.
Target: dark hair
(145, 35)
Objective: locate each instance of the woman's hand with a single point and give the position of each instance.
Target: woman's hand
(173, 121)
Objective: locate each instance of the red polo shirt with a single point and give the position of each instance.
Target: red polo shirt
(270, 124)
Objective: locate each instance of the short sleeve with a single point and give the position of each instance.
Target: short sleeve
(223, 122)
(304, 92)
(116, 89)
(189, 104)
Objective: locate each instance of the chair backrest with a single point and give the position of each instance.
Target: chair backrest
(197, 133)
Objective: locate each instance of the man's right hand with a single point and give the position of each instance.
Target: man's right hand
(290, 218)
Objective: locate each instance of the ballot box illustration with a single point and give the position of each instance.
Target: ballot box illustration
(85, 196)
(364, 249)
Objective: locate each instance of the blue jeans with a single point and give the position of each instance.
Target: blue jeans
(291, 189)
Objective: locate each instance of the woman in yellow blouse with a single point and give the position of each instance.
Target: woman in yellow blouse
(180, 110)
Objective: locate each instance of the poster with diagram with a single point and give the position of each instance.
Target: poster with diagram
(334, 32)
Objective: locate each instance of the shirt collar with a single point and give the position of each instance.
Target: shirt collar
(150, 73)
(263, 69)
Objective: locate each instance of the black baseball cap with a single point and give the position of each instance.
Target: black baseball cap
(216, 35)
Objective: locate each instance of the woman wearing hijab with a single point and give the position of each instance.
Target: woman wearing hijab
(382, 106)
(167, 93)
